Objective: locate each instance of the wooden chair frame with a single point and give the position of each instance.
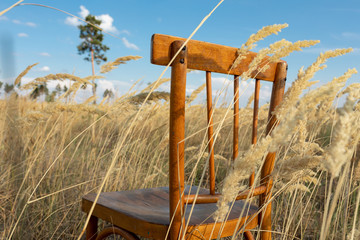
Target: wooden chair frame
(210, 58)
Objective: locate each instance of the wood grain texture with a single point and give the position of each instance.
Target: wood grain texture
(145, 212)
(177, 136)
(276, 97)
(236, 118)
(248, 236)
(206, 198)
(255, 123)
(210, 132)
(92, 228)
(208, 57)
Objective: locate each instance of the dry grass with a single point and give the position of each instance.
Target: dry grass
(52, 157)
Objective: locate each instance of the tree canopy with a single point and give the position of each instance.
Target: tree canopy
(92, 41)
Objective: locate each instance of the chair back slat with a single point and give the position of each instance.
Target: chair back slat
(236, 118)
(210, 133)
(211, 57)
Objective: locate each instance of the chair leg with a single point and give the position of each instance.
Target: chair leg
(248, 236)
(113, 230)
(91, 229)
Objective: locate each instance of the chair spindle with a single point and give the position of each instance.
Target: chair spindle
(236, 118)
(255, 123)
(210, 132)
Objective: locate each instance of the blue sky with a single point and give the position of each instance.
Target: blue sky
(32, 34)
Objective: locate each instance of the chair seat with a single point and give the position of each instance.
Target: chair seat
(145, 212)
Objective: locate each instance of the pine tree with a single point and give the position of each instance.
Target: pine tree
(108, 93)
(39, 90)
(8, 88)
(58, 88)
(92, 44)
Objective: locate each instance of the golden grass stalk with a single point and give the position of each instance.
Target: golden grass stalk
(11, 7)
(341, 148)
(153, 86)
(195, 93)
(302, 82)
(72, 90)
(154, 96)
(104, 100)
(251, 98)
(263, 33)
(58, 76)
(91, 78)
(107, 67)
(250, 43)
(90, 99)
(277, 50)
(23, 73)
(286, 49)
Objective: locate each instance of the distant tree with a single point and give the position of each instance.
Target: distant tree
(108, 93)
(58, 89)
(1, 83)
(39, 90)
(92, 44)
(51, 97)
(8, 88)
(65, 89)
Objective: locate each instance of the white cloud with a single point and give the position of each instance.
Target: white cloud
(105, 84)
(83, 11)
(107, 23)
(22, 35)
(266, 93)
(44, 54)
(44, 69)
(220, 81)
(52, 84)
(4, 18)
(26, 80)
(129, 44)
(72, 21)
(30, 24)
(195, 72)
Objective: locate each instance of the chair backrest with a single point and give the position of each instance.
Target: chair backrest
(210, 57)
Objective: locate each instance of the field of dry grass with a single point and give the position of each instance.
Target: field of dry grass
(54, 153)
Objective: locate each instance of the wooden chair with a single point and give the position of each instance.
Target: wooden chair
(149, 212)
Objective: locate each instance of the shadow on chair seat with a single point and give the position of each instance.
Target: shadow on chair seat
(145, 212)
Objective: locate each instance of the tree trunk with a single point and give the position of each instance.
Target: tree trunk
(93, 73)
